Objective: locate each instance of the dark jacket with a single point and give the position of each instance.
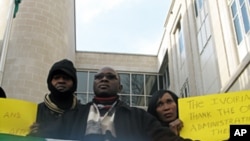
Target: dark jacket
(50, 114)
(51, 124)
(131, 124)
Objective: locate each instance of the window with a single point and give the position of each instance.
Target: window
(82, 78)
(203, 25)
(125, 81)
(181, 40)
(85, 86)
(151, 84)
(125, 93)
(166, 78)
(137, 84)
(240, 15)
(180, 43)
(198, 6)
(185, 89)
(137, 81)
(240, 10)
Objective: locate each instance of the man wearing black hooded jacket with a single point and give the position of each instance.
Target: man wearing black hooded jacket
(62, 83)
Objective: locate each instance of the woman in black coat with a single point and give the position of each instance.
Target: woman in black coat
(164, 106)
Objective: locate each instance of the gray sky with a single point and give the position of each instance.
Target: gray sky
(120, 26)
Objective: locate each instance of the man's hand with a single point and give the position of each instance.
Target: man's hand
(34, 128)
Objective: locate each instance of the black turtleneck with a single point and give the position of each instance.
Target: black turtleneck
(63, 100)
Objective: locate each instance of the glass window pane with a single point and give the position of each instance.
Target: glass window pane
(234, 9)
(91, 80)
(196, 8)
(90, 97)
(125, 98)
(180, 40)
(151, 84)
(245, 18)
(241, 1)
(82, 97)
(161, 82)
(125, 81)
(237, 29)
(82, 81)
(137, 84)
(200, 4)
(147, 100)
(138, 101)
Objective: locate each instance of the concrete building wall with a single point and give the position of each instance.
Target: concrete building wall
(121, 62)
(42, 32)
(215, 62)
(233, 66)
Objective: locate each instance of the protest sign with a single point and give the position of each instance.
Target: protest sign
(16, 116)
(208, 118)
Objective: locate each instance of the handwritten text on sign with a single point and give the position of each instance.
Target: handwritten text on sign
(16, 116)
(209, 117)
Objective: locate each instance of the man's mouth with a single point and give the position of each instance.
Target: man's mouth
(60, 87)
(103, 86)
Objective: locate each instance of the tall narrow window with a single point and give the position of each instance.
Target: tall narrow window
(125, 93)
(82, 86)
(198, 4)
(245, 15)
(138, 90)
(180, 44)
(236, 22)
(240, 15)
(85, 86)
(166, 78)
(185, 89)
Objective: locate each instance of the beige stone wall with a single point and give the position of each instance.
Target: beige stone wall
(42, 33)
(121, 62)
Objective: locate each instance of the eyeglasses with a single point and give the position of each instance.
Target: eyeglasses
(108, 76)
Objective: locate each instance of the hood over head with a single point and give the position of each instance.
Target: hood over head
(67, 67)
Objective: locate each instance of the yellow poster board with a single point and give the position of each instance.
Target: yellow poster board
(208, 118)
(16, 116)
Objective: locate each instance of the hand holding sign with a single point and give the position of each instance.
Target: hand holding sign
(16, 116)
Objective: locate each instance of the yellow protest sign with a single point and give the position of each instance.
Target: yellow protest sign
(16, 116)
(208, 118)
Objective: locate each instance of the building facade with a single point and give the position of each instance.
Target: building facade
(204, 50)
(207, 43)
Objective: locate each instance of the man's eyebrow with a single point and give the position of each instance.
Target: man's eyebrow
(107, 73)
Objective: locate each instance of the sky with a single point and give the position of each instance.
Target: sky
(120, 26)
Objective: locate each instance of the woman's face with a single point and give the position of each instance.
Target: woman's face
(166, 108)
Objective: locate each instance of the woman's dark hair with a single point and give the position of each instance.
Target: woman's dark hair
(154, 99)
(2, 93)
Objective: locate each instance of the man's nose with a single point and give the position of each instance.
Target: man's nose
(104, 78)
(61, 79)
